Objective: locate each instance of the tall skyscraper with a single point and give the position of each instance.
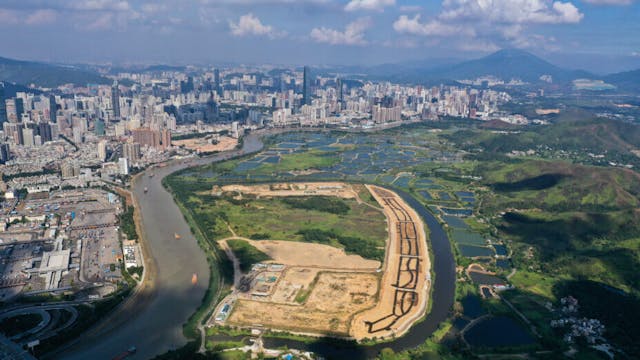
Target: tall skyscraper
(131, 151)
(306, 87)
(102, 150)
(98, 127)
(340, 93)
(53, 109)
(115, 100)
(187, 86)
(19, 108)
(3, 106)
(44, 130)
(5, 153)
(216, 79)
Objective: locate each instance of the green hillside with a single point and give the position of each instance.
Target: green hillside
(46, 75)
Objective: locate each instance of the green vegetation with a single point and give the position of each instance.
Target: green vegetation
(246, 253)
(615, 309)
(570, 220)
(343, 223)
(87, 317)
(351, 244)
(46, 75)
(127, 224)
(19, 324)
(312, 159)
(303, 294)
(136, 270)
(328, 204)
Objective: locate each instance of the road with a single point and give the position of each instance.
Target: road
(152, 319)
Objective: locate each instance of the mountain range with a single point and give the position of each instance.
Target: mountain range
(46, 75)
(506, 64)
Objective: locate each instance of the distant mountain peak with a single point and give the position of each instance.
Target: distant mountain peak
(511, 52)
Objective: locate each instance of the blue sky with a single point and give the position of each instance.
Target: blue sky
(601, 35)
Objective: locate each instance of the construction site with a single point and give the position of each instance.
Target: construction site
(320, 290)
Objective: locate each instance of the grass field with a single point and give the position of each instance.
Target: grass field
(344, 223)
(246, 254)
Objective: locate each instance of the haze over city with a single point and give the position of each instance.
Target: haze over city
(597, 35)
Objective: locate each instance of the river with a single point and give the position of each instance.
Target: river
(153, 322)
(155, 325)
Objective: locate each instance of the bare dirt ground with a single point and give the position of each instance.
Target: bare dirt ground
(329, 309)
(406, 279)
(327, 292)
(201, 145)
(337, 189)
(312, 255)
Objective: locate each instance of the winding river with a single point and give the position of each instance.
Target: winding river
(152, 319)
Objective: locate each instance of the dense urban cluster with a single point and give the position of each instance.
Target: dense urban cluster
(72, 136)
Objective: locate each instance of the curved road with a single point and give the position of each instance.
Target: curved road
(153, 321)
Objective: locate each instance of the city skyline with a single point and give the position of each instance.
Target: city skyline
(577, 34)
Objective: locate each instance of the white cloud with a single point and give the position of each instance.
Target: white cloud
(410, 8)
(512, 11)
(610, 2)
(352, 35)
(370, 5)
(151, 8)
(100, 5)
(41, 17)
(635, 53)
(9, 17)
(249, 24)
(413, 26)
(101, 22)
(488, 24)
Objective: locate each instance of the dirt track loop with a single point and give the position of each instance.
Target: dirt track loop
(405, 284)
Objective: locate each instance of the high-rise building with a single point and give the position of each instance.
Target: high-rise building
(123, 166)
(165, 138)
(187, 86)
(66, 169)
(78, 135)
(102, 150)
(19, 108)
(44, 130)
(235, 132)
(3, 106)
(115, 100)
(216, 79)
(306, 87)
(53, 109)
(131, 151)
(5, 154)
(98, 127)
(146, 137)
(212, 112)
(340, 93)
(27, 136)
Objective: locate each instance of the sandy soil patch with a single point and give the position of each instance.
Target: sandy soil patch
(337, 189)
(204, 144)
(313, 255)
(328, 310)
(294, 280)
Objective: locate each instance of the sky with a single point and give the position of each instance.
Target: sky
(598, 35)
